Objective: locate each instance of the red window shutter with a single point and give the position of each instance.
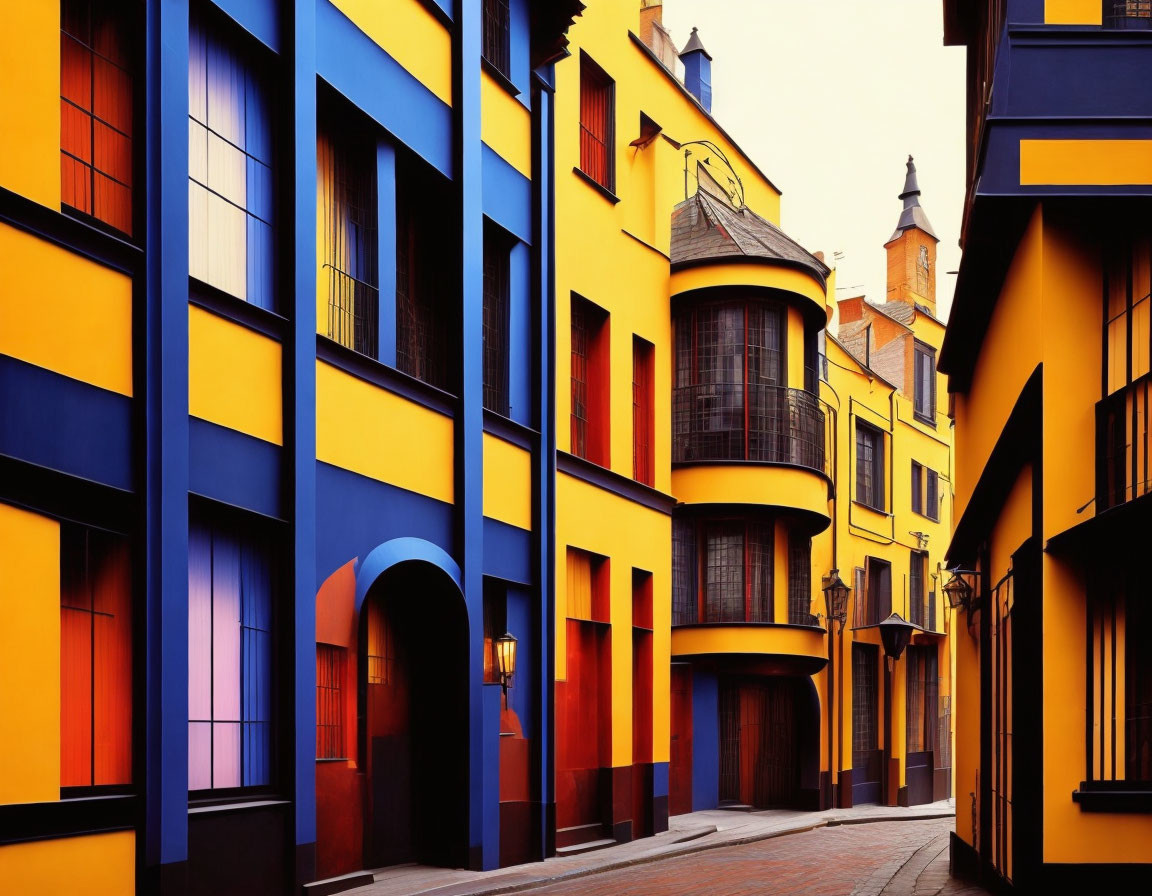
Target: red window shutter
(595, 123)
(643, 412)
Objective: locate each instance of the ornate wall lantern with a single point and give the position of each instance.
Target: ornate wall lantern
(836, 598)
(506, 660)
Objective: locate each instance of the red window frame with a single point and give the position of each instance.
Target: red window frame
(96, 112)
(589, 412)
(596, 123)
(643, 411)
(330, 672)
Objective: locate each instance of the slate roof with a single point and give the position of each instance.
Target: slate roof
(901, 312)
(706, 228)
(912, 215)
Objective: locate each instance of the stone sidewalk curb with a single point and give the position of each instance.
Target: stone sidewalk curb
(672, 851)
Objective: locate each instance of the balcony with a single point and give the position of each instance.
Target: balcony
(1122, 445)
(737, 422)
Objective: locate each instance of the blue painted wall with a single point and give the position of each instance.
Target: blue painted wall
(705, 740)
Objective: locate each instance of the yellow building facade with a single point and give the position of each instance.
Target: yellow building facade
(1047, 362)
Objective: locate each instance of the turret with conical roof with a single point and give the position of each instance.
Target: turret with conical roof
(912, 250)
(697, 70)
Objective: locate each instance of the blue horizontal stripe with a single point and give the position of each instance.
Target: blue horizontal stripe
(235, 468)
(64, 424)
(392, 96)
(507, 552)
(507, 195)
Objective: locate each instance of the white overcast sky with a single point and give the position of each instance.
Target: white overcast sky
(829, 97)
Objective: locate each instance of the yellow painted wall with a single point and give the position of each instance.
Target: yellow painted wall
(30, 103)
(505, 125)
(63, 312)
(631, 536)
(411, 35)
(747, 639)
(234, 376)
(1005, 363)
(105, 863)
(1097, 162)
(1072, 12)
(507, 482)
(379, 434)
(790, 280)
(740, 484)
(29, 659)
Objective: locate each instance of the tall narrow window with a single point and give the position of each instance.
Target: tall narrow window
(425, 321)
(497, 289)
(596, 130)
(932, 495)
(865, 694)
(869, 466)
(330, 702)
(643, 411)
(95, 658)
(495, 41)
(230, 657)
(799, 579)
(737, 563)
(922, 688)
(878, 574)
(917, 488)
(917, 598)
(589, 374)
(924, 389)
(347, 278)
(96, 110)
(230, 192)
(685, 568)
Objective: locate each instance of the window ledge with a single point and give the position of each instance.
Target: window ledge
(499, 77)
(379, 374)
(869, 507)
(1113, 796)
(236, 806)
(261, 320)
(927, 421)
(597, 186)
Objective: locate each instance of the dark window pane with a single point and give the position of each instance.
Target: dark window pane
(495, 40)
(496, 322)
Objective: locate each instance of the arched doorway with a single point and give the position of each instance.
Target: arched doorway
(413, 709)
(769, 738)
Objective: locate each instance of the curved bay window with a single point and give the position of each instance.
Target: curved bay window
(730, 398)
(722, 571)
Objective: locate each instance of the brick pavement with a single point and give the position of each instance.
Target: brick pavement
(693, 837)
(864, 860)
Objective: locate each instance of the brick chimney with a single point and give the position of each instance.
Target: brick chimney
(654, 35)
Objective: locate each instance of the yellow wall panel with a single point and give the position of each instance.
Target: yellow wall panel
(106, 863)
(29, 660)
(411, 35)
(737, 484)
(507, 482)
(768, 275)
(30, 100)
(631, 537)
(376, 433)
(1095, 162)
(1072, 12)
(505, 125)
(234, 376)
(707, 640)
(63, 312)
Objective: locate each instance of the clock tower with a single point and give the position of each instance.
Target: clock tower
(912, 251)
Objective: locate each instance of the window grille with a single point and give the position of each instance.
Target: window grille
(348, 276)
(230, 657)
(865, 730)
(495, 42)
(738, 572)
(230, 197)
(729, 398)
(685, 559)
(643, 411)
(381, 651)
(425, 321)
(579, 378)
(96, 111)
(496, 323)
(800, 580)
(944, 732)
(95, 658)
(330, 702)
(921, 716)
(596, 126)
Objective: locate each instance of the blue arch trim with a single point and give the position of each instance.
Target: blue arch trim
(403, 550)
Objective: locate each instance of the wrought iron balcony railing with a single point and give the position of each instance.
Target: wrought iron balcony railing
(1122, 444)
(1128, 14)
(734, 421)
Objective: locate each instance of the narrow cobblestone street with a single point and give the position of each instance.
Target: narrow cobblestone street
(908, 858)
